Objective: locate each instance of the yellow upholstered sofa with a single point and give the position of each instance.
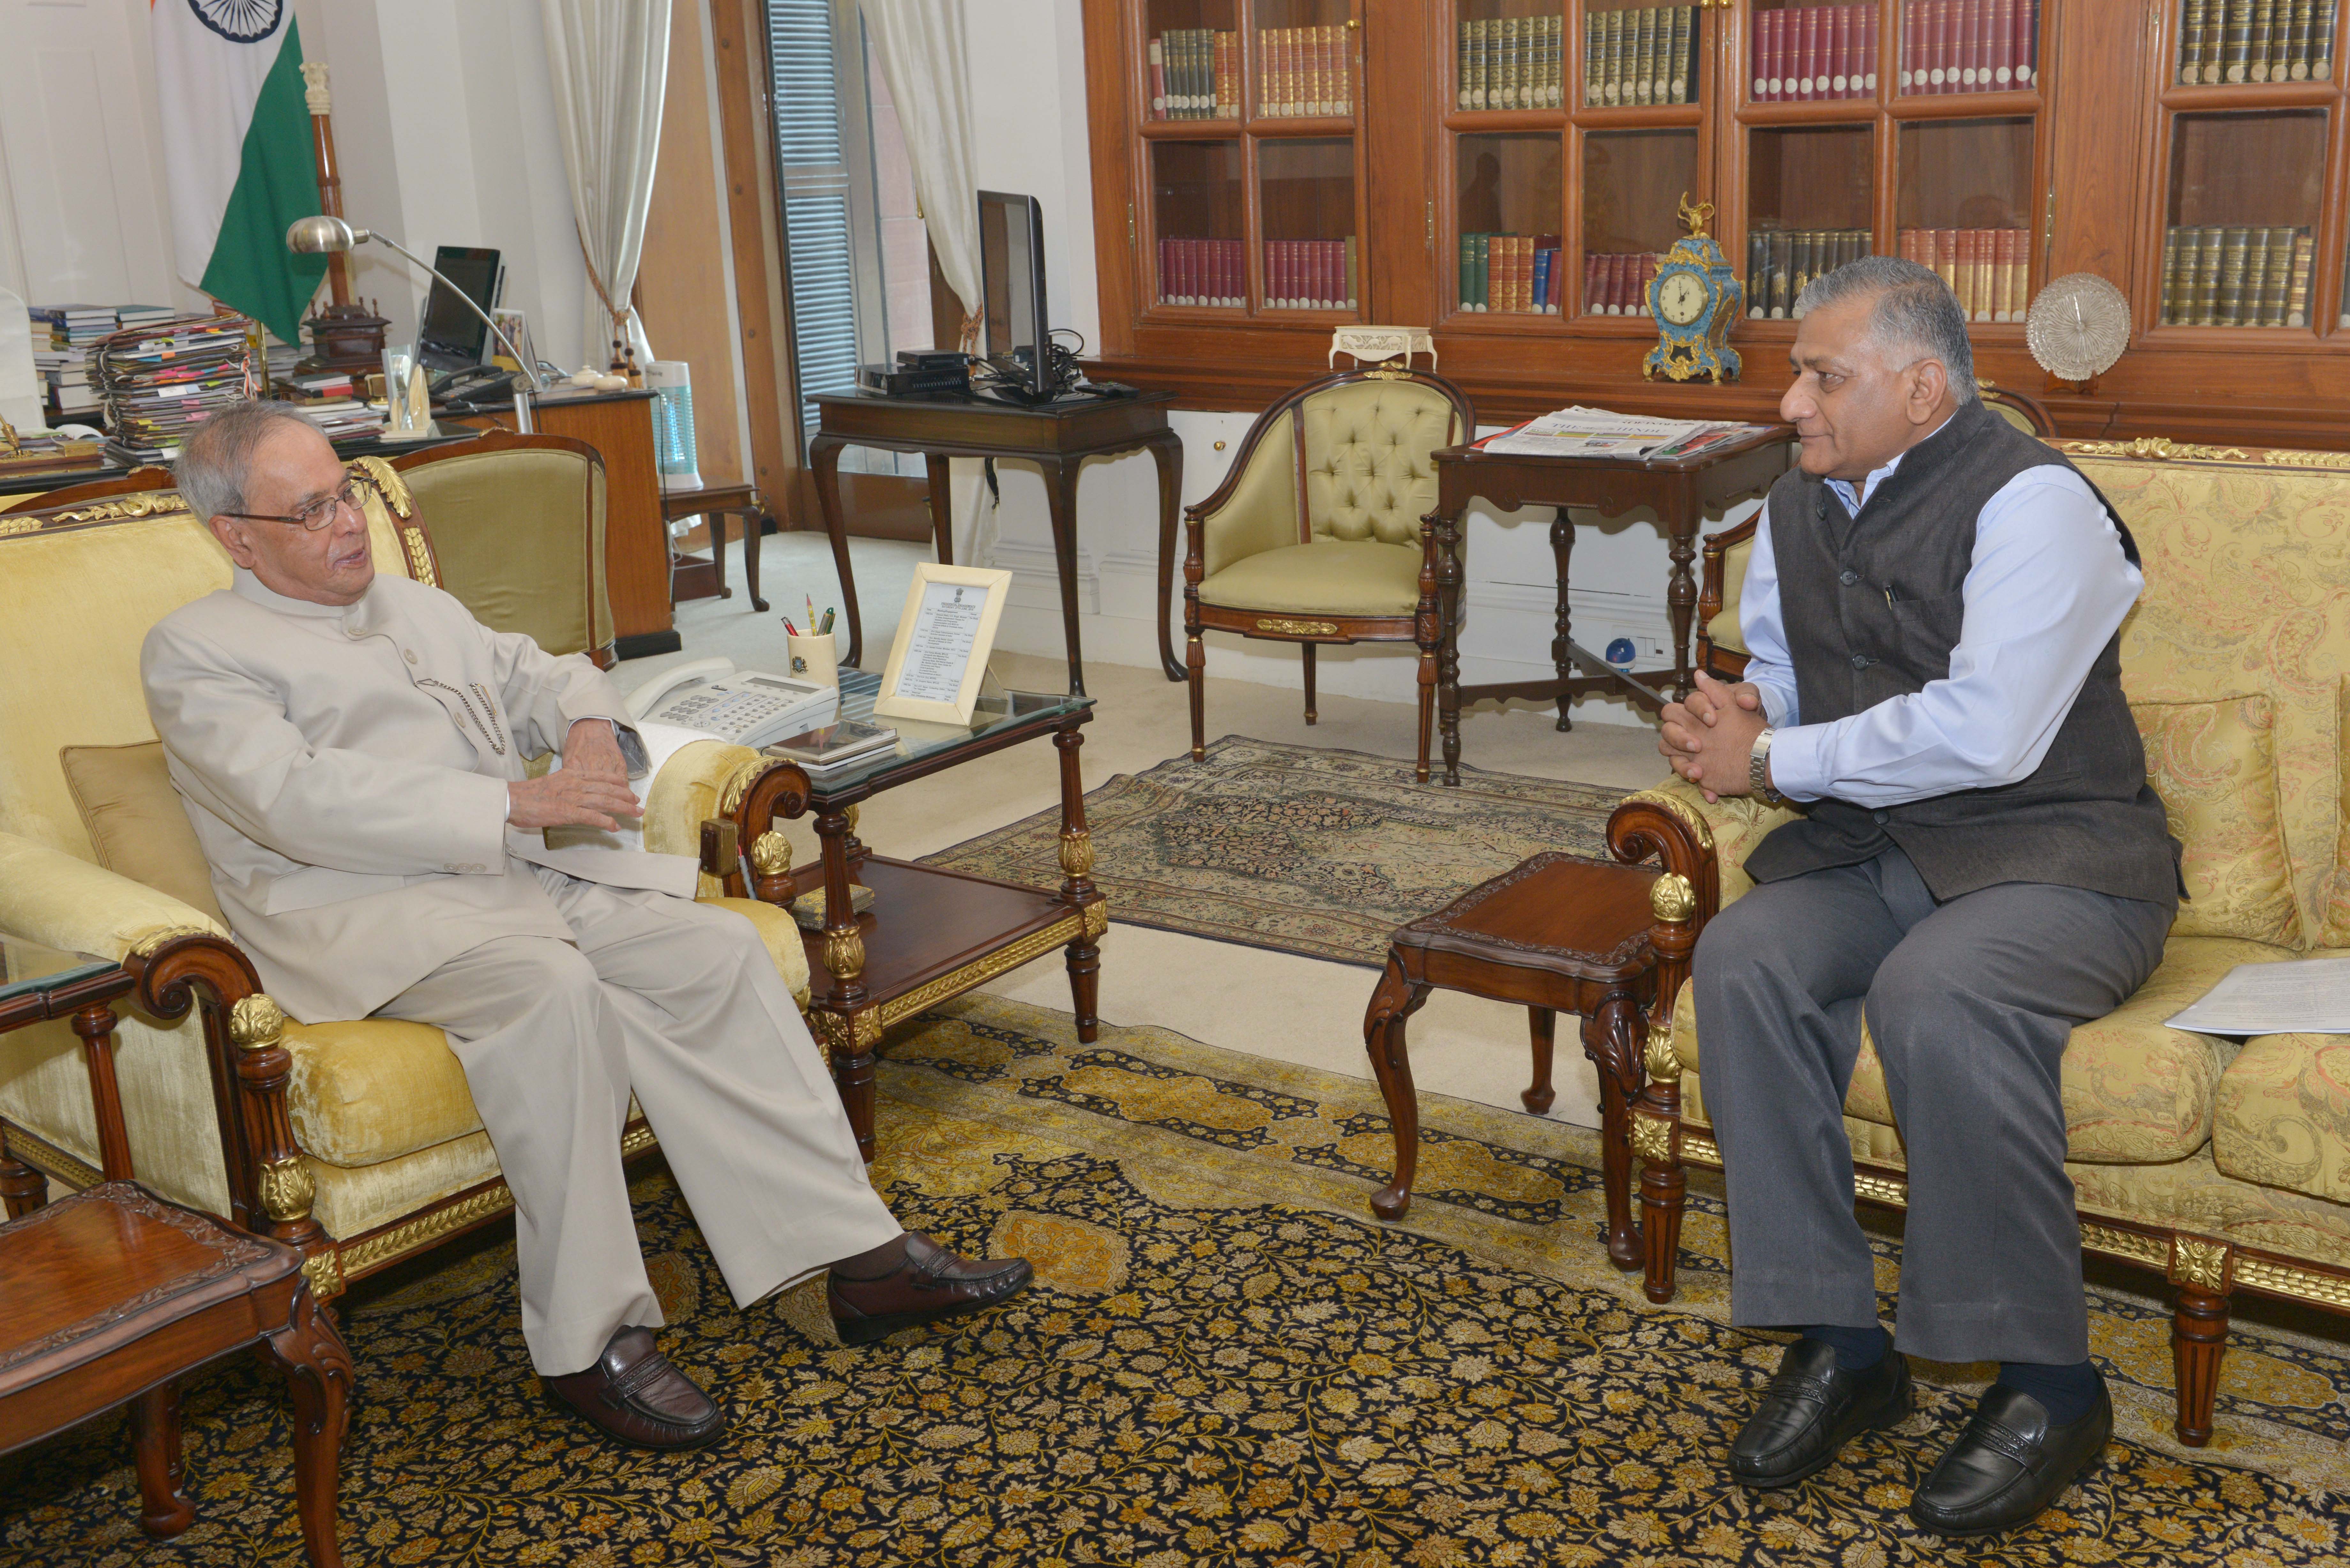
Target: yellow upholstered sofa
(2223, 1164)
(355, 1139)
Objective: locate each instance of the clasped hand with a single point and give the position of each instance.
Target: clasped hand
(1709, 738)
(589, 790)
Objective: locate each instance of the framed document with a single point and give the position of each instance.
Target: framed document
(943, 639)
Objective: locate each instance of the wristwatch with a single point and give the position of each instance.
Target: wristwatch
(1758, 772)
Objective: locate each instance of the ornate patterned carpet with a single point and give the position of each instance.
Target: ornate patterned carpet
(1224, 1362)
(1308, 851)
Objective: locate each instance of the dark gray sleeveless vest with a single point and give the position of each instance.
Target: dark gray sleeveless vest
(1873, 606)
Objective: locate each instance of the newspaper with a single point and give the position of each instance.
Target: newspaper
(1579, 432)
(2307, 996)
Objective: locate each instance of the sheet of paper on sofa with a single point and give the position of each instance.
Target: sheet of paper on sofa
(2308, 996)
(662, 741)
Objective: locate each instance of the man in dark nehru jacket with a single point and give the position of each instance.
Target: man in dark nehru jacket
(1933, 609)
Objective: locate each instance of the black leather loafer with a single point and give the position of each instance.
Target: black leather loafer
(2009, 1464)
(1811, 1409)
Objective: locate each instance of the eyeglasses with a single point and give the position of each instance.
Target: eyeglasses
(319, 513)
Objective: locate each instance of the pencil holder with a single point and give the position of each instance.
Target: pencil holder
(814, 658)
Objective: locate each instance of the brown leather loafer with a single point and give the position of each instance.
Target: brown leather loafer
(635, 1395)
(929, 1283)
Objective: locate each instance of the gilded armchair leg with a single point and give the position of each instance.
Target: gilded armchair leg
(1307, 649)
(2199, 1337)
(1195, 671)
(1664, 1184)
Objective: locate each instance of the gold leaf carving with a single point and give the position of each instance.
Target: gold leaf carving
(324, 1271)
(1671, 898)
(388, 484)
(771, 854)
(2203, 1264)
(122, 508)
(1652, 1139)
(738, 783)
(148, 945)
(1076, 853)
(844, 953)
(1301, 628)
(1097, 920)
(286, 1189)
(420, 559)
(256, 1023)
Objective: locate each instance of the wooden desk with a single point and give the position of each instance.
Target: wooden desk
(636, 537)
(1056, 437)
(1681, 491)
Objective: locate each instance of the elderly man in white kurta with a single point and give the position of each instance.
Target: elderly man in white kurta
(350, 749)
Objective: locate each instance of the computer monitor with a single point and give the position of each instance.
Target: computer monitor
(1012, 279)
(451, 336)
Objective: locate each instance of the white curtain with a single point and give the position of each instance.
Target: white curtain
(610, 59)
(928, 66)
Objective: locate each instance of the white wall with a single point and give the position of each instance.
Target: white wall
(1028, 91)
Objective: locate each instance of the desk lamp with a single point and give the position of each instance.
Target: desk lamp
(326, 236)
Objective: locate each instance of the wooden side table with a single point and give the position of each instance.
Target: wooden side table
(1056, 437)
(1559, 933)
(688, 579)
(108, 1296)
(1682, 491)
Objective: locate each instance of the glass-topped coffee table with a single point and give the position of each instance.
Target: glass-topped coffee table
(929, 933)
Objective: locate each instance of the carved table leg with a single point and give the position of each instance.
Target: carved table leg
(1562, 548)
(1078, 887)
(318, 1368)
(1545, 1024)
(1612, 1039)
(23, 1187)
(1395, 1000)
(754, 523)
(164, 1510)
(1167, 451)
(2199, 1337)
(1680, 600)
(824, 461)
(852, 1027)
(1447, 649)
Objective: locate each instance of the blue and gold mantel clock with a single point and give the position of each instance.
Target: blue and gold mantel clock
(1695, 298)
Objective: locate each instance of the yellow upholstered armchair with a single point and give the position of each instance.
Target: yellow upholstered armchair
(1315, 535)
(355, 1139)
(518, 528)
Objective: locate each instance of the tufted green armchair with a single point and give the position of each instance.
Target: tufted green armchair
(1315, 535)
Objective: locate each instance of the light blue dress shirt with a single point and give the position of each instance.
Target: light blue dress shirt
(2048, 588)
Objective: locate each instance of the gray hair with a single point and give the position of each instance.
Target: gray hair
(213, 460)
(1915, 311)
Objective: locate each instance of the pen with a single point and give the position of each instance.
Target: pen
(827, 623)
(789, 629)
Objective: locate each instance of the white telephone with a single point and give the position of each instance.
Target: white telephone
(749, 707)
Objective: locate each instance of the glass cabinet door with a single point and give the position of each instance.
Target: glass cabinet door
(1968, 47)
(1305, 67)
(1192, 55)
(1813, 54)
(1633, 182)
(1639, 57)
(1509, 198)
(1810, 201)
(1306, 193)
(1197, 198)
(2245, 195)
(1964, 208)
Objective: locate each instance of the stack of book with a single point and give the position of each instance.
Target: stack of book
(1970, 46)
(1636, 57)
(2235, 277)
(1202, 272)
(2255, 41)
(1195, 74)
(1510, 273)
(65, 392)
(1617, 284)
(1510, 62)
(1989, 269)
(1310, 274)
(1780, 262)
(76, 327)
(163, 380)
(1812, 52)
(343, 418)
(1302, 71)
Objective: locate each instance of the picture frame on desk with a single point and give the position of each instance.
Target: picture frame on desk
(939, 658)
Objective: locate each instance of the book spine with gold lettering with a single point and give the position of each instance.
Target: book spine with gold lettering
(2256, 274)
(1505, 81)
(2296, 42)
(1595, 55)
(1558, 62)
(2207, 275)
(2231, 305)
(1677, 74)
(1643, 55)
(2277, 280)
(2321, 41)
(2296, 293)
(2236, 41)
(1612, 84)
(2256, 54)
(2190, 42)
(2168, 313)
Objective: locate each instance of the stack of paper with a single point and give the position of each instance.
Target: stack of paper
(2307, 996)
(160, 380)
(1579, 432)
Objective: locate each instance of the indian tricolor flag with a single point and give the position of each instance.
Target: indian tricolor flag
(237, 153)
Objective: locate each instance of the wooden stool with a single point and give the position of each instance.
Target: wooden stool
(1560, 934)
(108, 1296)
(716, 502)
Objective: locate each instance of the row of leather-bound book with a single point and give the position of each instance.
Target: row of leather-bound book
(1510, 62)
(1195, 73)
(1781, 262)
(2235, 277)
(1636, 57)
(2227, 41)
(1989, 269)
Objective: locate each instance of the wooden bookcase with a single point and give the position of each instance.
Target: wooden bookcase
(2094, 160)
